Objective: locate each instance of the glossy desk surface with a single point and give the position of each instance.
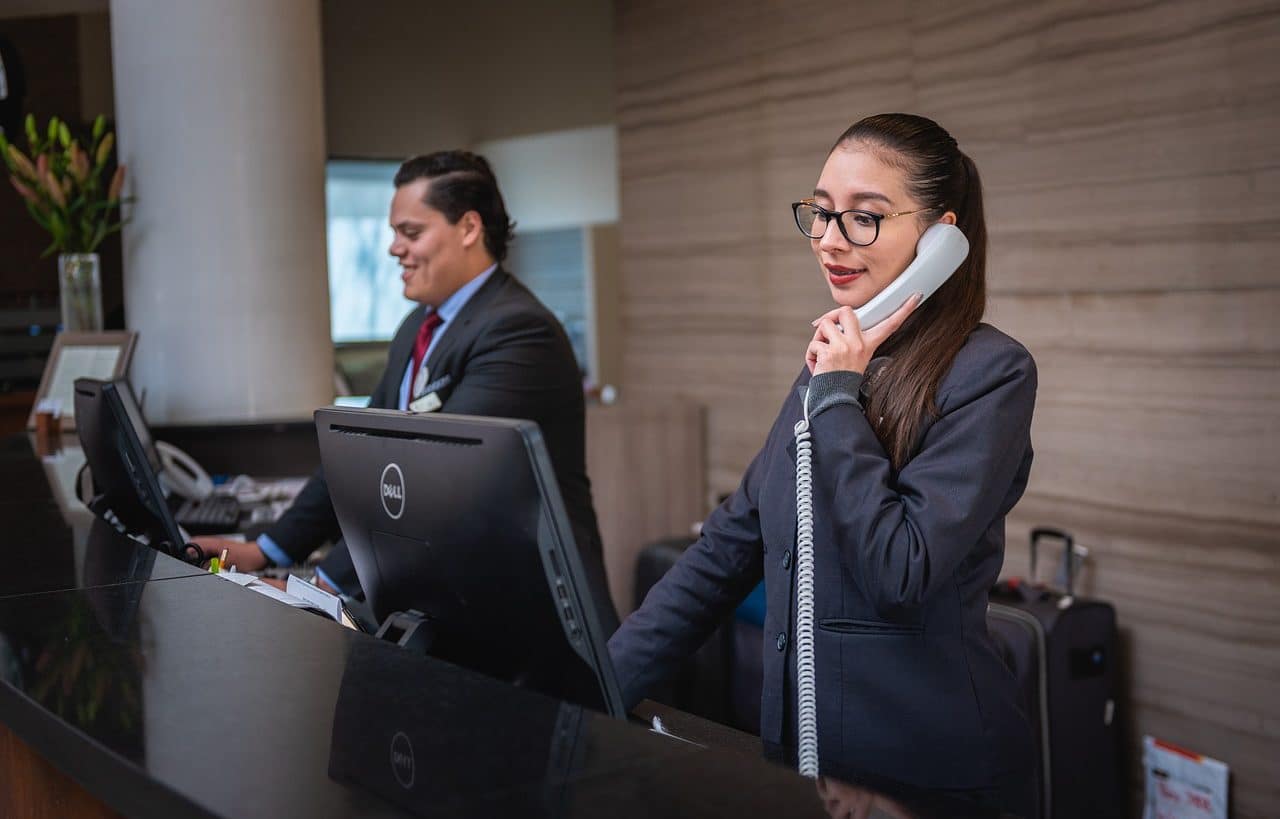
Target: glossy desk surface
(166, 691)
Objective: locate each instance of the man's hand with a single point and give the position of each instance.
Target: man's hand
(243, 554)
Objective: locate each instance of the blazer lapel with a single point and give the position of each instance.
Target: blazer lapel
(398, 360)
(402, 347)
(787, 521)
(457, 331)
(784, 481)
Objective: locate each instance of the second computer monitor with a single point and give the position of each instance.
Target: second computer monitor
(460, 518)
(122, 460)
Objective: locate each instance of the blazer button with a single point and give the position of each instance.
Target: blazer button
(786, 559)
(782, 641)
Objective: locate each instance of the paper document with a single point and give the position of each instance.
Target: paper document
(301, 595)
(239, 578)
(90, 361)
(330, 604)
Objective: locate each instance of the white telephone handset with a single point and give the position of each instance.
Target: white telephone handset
(939, 253)
(181, 475)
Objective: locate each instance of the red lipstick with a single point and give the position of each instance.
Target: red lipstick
(840, 275)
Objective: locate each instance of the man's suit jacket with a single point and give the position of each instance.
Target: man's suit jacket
(909, 684)
(504, 355)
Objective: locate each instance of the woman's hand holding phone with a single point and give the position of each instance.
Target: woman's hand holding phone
(840, 344)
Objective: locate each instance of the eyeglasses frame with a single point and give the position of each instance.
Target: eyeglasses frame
(839, 219)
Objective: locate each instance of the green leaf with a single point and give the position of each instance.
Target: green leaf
(53, 129)
(98, 236)
(99, 123)
(30, 124)
(40, 218)
(57, 226)
(64, 135)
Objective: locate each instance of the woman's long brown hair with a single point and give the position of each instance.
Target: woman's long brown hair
(942, 178)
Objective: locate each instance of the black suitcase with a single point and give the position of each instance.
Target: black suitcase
(1064, 651)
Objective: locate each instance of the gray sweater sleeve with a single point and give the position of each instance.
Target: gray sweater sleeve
(829, 389)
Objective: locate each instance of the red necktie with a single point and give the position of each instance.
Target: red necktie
(422, 342)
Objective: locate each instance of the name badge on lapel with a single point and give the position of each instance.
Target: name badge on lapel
(437, 385)
(427, 403)
(428, 399)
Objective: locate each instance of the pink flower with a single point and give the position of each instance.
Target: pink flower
(117, 183)
(52, 188)
(79, 164)
(20, 163)
(25, 192)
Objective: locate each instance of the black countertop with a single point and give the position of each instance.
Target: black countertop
(166, 691)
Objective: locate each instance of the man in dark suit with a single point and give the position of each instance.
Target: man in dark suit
(479, 343)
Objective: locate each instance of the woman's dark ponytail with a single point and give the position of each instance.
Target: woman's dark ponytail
(941, 178)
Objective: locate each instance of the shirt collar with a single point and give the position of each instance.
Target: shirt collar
(461, 296)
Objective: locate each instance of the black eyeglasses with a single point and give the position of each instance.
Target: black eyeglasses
(859, 227)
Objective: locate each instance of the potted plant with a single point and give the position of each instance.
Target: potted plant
(63, 187)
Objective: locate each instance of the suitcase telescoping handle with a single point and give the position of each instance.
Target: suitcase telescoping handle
(1041, 532)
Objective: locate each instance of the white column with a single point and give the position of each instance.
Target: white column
(219, 110)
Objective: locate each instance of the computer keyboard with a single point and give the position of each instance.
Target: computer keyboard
(213, 515)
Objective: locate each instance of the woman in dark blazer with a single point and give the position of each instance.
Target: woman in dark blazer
(921, 445)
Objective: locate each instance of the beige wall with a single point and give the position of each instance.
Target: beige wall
(1132, 168)
(407, 76)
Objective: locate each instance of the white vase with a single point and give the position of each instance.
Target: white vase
(81, 289)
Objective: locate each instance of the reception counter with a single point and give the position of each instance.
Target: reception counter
(163, 691)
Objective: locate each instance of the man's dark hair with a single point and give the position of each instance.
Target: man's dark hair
(462, 181)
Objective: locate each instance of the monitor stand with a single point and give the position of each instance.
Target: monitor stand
(410, 629)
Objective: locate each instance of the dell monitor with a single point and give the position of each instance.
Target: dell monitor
(122, 460)
(459, 519)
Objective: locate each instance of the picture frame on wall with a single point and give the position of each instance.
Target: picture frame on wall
(80, 355)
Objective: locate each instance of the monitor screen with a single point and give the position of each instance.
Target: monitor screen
(460, 518)
(136, 420)
(122, 460)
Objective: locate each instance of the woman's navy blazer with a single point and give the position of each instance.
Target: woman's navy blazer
(909, 683)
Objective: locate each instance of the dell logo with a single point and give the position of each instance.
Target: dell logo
(392, 491)
(402, 760)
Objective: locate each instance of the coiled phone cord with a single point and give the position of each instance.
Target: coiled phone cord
(806, 673)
